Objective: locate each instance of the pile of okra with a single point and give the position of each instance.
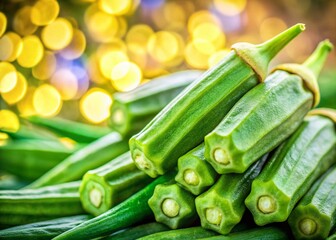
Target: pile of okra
(237, 152)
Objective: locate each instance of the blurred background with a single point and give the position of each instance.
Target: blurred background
(67, 58)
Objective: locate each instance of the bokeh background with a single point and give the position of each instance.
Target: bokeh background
(67, 58)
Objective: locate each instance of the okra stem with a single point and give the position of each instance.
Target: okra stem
(266, 204)
(170, 207)
(191, 177)
(214, 216)
(307, 226)
(221, 156)
(96, 197)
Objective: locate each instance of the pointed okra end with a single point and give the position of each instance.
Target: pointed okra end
(259, 56)
(310, 69)
(173, 206)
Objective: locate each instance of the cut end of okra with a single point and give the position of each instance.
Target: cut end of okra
(144, 164)
(267, 203)
(173, 206)
(96, 196)
(308, 226)
(259, 56)
(221, 156)
(191, 177)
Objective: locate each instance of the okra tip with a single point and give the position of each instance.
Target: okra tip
(259, 56)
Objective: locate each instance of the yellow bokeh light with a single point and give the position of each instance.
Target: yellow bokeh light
(217, 57)
(9, 121)
(76, 47)
(66, 83)
(126, 76)
(47, 101)
(22, 23)
(164, 46)
(230, 7)
(58, 34)
(201, 17)
(95, 105)
(115, 45)
(195, 58)
(115, 7)
(138, 35)
(46, 67)
(31, 53)
(25, 106)
(10, 46)
(93, 69)
(102, 26)
(8, 77)
(271, 27)
(3, 23)
(44, 12)
(211, 33)
(108, 60)
(18, 92)
(122, 27)
(175, 16)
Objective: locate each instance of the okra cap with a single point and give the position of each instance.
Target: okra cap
(259, 56)
(326, 112)
(310, 69)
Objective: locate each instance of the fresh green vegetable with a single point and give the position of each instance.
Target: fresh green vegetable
(133, 210)
(181, 234)
(222, 206)
(194, 173)
(260, 233)
(31, 132)
(31, 158)
(291, 171)
(79, 132)
(89, 157)
(332, 237)
(138, 231)
(315, 215)
(197, 110)
(25, 206)
(173, 206)
(44, 230)
(110, 184)
(11, 182)
(131, 111)
(266, 115)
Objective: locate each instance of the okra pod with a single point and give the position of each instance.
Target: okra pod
(31, 132)
(31, 158)
(314, 216)
(79, 132)
(133, 210)
(222, 206)
(266, 115)
(25, 206)
(89, 157)
(173, 206)
(292, 170)
(131, 111)
(110, 184)
(198, 109)
(194, 173)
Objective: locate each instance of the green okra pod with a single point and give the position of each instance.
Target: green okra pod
(25, 206)
(89, 157)
(198, 109)
(222, 207)
(31, 132)
(133, 210)
(79, 132)
(173, 206)
(110, 184)
(266, 115)
(292, 170)
(131, 111)
(194, 173)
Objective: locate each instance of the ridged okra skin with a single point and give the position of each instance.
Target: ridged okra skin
(315, 214)
(44, 230)
(266, 115)
(110, 184)
(292, 170)
(194, 173)
(80, 132)
(197, 110)
(173, 206)
(31, 132)
(222, 207)
(31, 158)
(133, 210)
(89, 157)
(19, 207)
(132, 110)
